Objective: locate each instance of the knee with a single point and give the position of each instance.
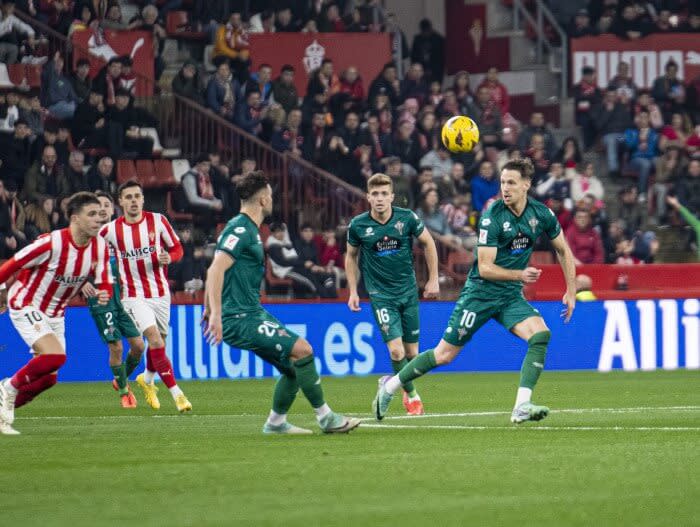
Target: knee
(444, 356)
(137, 347)
(301, 350)
(155, 341)
(397, 352)
(541, 338)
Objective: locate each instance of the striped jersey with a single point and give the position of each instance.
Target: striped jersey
(54, 268)
(136, 246)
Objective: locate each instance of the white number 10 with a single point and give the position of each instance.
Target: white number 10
(468, 318)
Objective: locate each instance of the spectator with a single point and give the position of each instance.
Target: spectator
(351, 84)
(316, 139)
(456, 184)
(406, 144)
(488, 119)
(12, 220)
(584, 284)
(74, 177)
(630, 25)
(688, 188)
(378, 141)
(10, 28)
(49, 137)
(290, 138)
(127, 80)
(101, 176)
(669, 169)
(322, 277)
(332, 22)
(643, 145)
(607, 18)
(615, 242)
(596, 208)
(569, 155)
(484, 185)
(428, 131)
(41, 218)
(189, 272)
(612, 118)
(581, 26)
(43, 177)
(692, 23)
(414, 84)
(538, 126)
(126, 121)
(198, 189)
(249, 112)
(10, 109)
(622, 83)
(323, 79)
(538, 156)
(32, 112)
(630, 210)
(586, 183)
(436, 221)
(645, 102)
(206, 16)
(403, 193)
(81, 80)
(675, 134)
(439, 160)
(330, 256)
(348, 151)
(386, 83)
(692, 143)
(458, 213)
(15, 153)
(586, 96)
(663, 24)
(222, 91)
(263, 22)
(232, 42)
(148, 21)
(58, 96)
(113, 18)
(188, 84)
(428, 49)
(372, 14)
(462, 90)
(690, 218)
(285, 23)
(584, 240)
(561, 212)
(554, 184)
(107, 80)
(692, 99)
(285, 262)
(284, 91)
(89, 127)
(262, 79)
(498, 93)
(668, 91)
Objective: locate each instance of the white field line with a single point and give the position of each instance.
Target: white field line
(539, 428)
(366, 418)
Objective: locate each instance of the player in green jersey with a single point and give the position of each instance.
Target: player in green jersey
(113, 323)
(239, 320)
(383, 238)
(507, 233)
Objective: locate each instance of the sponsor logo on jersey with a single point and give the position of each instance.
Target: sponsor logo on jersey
(138, 252)
(506, 226)
(69, 280)
(520, 243)
(486, 222)
(483, 234)
(387, 246)
(369, 231)
(239, 230)
(533, 223)
(399, 225)
(230, 242)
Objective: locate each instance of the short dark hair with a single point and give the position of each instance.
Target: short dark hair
(276, 226)
(264, 65)
(82, 62)
(128, 184)
(251, 184)
(523, 166)
(326, 61)
(305, 226)
(79, 200)
(287, 67)
(103, 194)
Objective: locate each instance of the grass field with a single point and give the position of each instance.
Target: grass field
(618, 449)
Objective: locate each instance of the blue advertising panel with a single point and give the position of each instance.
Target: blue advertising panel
(615, 334)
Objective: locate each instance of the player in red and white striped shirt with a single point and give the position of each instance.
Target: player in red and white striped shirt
(144, 244)
(52, 270)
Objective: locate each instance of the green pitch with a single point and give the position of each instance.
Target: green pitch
(617, 449)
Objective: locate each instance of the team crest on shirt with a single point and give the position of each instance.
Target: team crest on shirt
(152, 236)
(399, 225)
(385, 328)
(533, 223)
(282, 333)
(461, 332)
(37, 327)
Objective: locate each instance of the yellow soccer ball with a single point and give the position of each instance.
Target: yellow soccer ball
(460, 134)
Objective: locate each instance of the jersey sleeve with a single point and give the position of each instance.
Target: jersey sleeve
(488, 231)
(353, 238)
(102, 273)
(417, 225)
(167, 233)
(551, 224)
(233, 241)
(36, 253)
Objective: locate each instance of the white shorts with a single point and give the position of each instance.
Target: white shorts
(147, 312)
(32, 324)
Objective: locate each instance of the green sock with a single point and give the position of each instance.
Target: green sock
(120, 376)
(398, 366)
(533, 364)
(285, 392)
(131, 364)
(309, 381)
(418, 367)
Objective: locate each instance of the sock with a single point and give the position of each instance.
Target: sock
(276, 419)
(29, 391)
(162, 365)
(149, 376)
(285, 392)
(398, 365)
(533, 363)
(309, 381)
(36, 368)
(322, 411)
(131, 364)
(119, 373)
(418, 367)
(175, 391)
(523, 396)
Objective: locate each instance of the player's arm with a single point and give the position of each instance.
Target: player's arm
(568, 265)
(215, 283)
(104, 281)
(432, 286)
(488, 269)
(175, 251)
(352, 274)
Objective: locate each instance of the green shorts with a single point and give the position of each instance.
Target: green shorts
(471, 312)
(113, 322)
(397, 317)
(262, 334)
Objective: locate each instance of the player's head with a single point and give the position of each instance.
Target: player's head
(83, 210)
(516, 179)
(380, 192)
(106, 206)
(130, 194)
(255, 191)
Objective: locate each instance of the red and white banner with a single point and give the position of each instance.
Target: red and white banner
(368, 52)
(100, 48)
(647, 57)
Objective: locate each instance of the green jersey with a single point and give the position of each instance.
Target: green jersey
(240, 239)
(386, 259)
(514, 237)
(116, 290)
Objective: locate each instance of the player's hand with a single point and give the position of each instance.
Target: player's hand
(102, 297)
(213, 333)
(163, 257)
(89, 290)
(432, 289)
(354, 302)
(569, 301)
(204, 322)
(3, 301)
(530, 275)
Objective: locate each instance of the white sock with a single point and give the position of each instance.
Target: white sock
(9, 387)
(523, 396)
(276, 419)
(175, 391)
(148, 376)
(322, 411)
(392, 385)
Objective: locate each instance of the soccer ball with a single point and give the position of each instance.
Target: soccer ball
(460, 134)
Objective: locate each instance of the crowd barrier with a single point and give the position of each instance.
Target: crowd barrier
(605, 335)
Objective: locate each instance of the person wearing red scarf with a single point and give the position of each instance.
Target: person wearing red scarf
(586, 94)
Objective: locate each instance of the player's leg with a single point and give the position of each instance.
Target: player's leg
(410, 327)
(133, 337)
(144, 319)
(29, 392)
(107, 327)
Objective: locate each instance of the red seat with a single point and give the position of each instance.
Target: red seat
(458, 264)
(274, 282)
(183, 297)
(163, 171)
(33, 74)
(541, 258)
(125, 171)
(17, 73)
(177, 25)
(146, 175)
